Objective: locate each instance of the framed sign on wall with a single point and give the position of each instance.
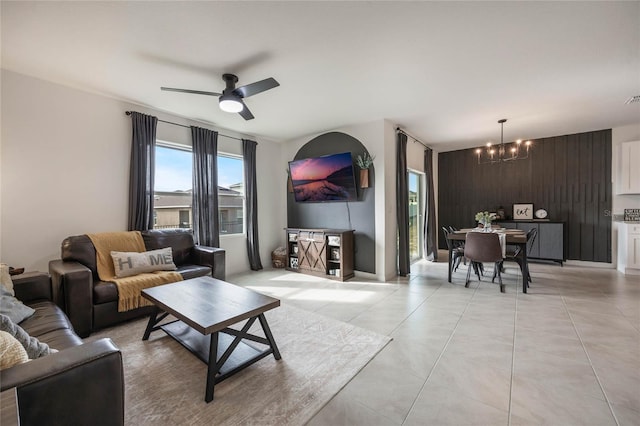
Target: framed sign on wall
(523, 211)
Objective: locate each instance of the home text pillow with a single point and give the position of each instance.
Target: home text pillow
(11, 351)
(34, 347)
(127, 264)
(5, 278)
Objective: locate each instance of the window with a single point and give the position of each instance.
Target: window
(173, 189)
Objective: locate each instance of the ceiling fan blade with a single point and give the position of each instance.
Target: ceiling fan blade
(257, 87)
(245, 113)
(197, 92)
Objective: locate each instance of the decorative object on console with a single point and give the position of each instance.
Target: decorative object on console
(523, 211)
(541, 214)
(504, 152)
(500, 213)
(364, 161)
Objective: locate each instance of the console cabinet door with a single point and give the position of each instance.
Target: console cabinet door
(551, 237)
(312, 251)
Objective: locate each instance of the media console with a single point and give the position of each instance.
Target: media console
(327, 253)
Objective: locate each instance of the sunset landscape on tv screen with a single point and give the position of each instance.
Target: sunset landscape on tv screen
(327, 178)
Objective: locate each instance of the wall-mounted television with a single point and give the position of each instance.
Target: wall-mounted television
(326, 178)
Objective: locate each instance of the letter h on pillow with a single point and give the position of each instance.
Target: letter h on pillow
(127, 264)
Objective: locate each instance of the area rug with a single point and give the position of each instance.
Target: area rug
(165, 384)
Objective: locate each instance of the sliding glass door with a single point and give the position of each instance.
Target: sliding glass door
(415, 216)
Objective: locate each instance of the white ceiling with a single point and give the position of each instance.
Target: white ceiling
(444, 71)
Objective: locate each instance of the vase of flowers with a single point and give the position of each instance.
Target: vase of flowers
(485, 219)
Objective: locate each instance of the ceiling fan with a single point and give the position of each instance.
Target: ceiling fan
(230, 99)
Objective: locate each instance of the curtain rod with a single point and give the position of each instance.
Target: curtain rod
(414, 139)
(188, 127)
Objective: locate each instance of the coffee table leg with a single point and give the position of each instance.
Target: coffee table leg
(152, 322)
(212, 368)
(269, 336)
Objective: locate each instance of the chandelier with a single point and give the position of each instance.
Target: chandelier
(517, 150)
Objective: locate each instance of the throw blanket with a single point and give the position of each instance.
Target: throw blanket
(129, 288)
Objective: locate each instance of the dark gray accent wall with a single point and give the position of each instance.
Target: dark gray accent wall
(569, 176)
(357, 215)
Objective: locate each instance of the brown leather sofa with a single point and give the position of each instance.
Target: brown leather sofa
(92, 304)
(81, 384)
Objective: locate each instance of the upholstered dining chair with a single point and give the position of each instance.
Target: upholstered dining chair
(483, 247)
(514, 254)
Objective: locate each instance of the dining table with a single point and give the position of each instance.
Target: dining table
(513, 237)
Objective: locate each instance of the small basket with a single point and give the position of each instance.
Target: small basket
(279, 257)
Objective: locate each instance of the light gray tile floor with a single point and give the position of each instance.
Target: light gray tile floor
(565, 353)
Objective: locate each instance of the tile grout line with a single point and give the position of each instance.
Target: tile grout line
(435, 364)
(590, 362)
(513, 356)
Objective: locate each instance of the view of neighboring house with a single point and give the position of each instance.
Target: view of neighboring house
(173, 209)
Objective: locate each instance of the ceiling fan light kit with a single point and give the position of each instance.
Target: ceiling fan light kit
(230, 100)
(230, 103)
(517, 150)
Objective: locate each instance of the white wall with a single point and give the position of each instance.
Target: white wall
(65, 171)
(626, 201)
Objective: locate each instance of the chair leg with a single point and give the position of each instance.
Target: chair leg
(476, 269)
(500, 278)
(456, 263)
(466, 284)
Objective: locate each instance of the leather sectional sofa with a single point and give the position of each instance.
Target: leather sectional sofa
(92, 304)
(82, 383)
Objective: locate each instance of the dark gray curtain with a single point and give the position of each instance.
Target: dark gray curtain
(402, 205)
(206, 228)
(143, 144)
(430, 247)
(251, 197)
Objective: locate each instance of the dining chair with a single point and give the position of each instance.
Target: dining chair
(457, 253)
(514, 254)
(483, 247)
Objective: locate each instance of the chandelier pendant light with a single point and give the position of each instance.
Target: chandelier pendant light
(511, 151)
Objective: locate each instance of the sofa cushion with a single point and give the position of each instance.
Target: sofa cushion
(48, 322)
(12, 307)
(180, 241)
(193, 271)
(126, 264)
(11, 351)
(34, 348)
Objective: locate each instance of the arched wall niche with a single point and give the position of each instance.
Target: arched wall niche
(357, 215)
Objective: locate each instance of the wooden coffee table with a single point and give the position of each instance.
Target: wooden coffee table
(205, 308)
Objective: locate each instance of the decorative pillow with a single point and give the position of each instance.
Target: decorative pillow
(11, 351)
(33, 347)
(127, 264)
(5, 278)
(12, 307)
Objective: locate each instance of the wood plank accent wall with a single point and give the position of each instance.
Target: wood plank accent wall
(569, 176)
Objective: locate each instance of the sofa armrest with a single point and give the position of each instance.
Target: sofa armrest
(32, 286)
(79, 385)
(212, 257)
(72, 284)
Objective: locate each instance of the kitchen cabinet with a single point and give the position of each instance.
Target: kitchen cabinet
(629, 248)
(629, 177)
